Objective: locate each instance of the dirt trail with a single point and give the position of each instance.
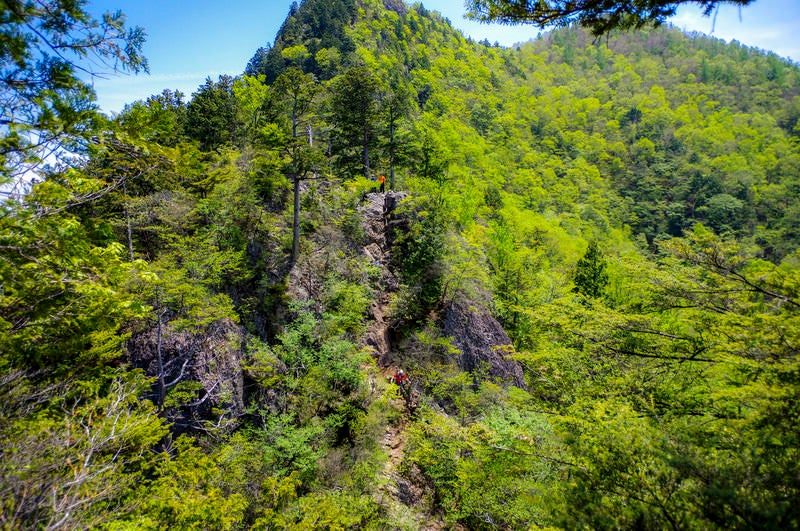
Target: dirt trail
(403, 494)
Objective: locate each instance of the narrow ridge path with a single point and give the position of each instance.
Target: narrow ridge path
(405, 498)
(377, 250)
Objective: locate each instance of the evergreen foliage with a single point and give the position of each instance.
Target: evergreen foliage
(590, 272)
(353, 114)
(211, 114)
(599, 16)
(46, 48)
(313, 37)
(661, 372)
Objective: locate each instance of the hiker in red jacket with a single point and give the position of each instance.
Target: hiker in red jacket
(400, 377)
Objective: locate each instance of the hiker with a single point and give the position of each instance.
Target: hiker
(382, 180)
(404, 386)
(400, 377)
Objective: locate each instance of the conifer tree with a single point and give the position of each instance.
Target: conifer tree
(590, 273)
(354, 112)
(297, 91)
(50, 50)
(395, 106)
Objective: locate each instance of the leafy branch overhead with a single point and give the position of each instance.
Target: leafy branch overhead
(599, 16)
(49, 52)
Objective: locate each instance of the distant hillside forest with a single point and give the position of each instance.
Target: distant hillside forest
(585, 256)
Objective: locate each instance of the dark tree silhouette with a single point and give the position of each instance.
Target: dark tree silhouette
(600, 16)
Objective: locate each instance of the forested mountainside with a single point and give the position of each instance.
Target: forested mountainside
(586, 260)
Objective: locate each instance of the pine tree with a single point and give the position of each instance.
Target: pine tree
(590, 273)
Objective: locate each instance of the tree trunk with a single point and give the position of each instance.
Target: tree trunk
(296, 221)
(366, 153)
(128, 221)
(391, 156)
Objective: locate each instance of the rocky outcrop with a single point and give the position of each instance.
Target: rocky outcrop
(394, 224)
(481, 340)
(378, 215)
(398, 6)
(211, 359)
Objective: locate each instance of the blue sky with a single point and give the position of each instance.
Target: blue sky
(189, 41)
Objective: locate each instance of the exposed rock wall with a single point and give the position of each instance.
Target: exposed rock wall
(378, 214)
(211, 358)
(481, 339)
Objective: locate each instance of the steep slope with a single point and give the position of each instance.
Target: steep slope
(525, 156)
(313, 36)
(587, 262)
(535, 403)
(674, 133)
(377, 212)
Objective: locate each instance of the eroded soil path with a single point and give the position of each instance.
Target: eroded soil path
(403, 489)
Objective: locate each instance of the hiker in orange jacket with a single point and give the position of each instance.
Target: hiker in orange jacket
(382, 180)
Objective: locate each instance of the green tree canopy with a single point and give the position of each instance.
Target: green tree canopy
(314, 26)
(211, 115)
(49, 52)
(354, 113)
(591, 277)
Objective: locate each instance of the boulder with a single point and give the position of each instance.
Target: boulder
(481, 339)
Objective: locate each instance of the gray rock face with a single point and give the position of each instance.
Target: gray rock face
(396, 5)
(393, 224)
(378, 211)
(379, 218)
(212, 359)
(481, 339)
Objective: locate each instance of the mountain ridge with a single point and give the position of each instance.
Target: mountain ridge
(586, 260)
